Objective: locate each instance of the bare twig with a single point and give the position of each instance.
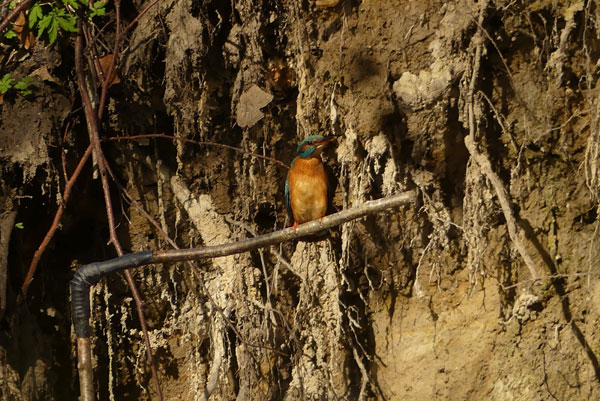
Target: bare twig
(137, 18)
(86, 377)
(200, 143)
(92, 123)
(505, 204)
(110, 73)
(61, 208)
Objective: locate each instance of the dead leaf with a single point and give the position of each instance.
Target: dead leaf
(43, 74)
(29, 40)
(20, 23)
(248, 109)
(26, 37)
(105, 63)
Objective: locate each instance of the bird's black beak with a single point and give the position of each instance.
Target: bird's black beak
(328, 139)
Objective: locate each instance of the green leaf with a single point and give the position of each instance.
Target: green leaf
(72, 3)
(99, 4)
(43, 24)
(6, 83)
(10, 34)
(97, 12)
(98, 9)
(12, 5)
(35, 14)
(100, 12)
(53, 31)
(23, 83)
(68, 23)
(20, 225)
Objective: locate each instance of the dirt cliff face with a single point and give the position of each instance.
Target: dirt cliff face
(488, 109)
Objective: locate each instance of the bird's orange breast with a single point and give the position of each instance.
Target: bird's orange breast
(308, 189)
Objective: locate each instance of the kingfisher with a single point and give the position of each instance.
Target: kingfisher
(306, 182)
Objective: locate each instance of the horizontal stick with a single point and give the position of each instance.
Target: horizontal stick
(303, 230)
(90, 274)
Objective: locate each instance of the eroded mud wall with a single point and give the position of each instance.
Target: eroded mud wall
(488, 109)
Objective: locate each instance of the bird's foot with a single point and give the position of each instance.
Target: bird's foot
(295, 226)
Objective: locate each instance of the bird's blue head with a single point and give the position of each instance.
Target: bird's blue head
(312, 145)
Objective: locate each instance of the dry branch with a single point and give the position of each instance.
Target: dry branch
(111, 71)
(92, 119)
(61, 208)
(84, 367)
(313, 227)
(90, 274)
(200, 143)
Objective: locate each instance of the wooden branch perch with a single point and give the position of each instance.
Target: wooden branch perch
(90, 274)
(313, 227)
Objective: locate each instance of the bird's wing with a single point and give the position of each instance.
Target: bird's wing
(288, 203)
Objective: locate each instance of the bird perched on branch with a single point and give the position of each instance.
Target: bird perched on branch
(306, 183)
